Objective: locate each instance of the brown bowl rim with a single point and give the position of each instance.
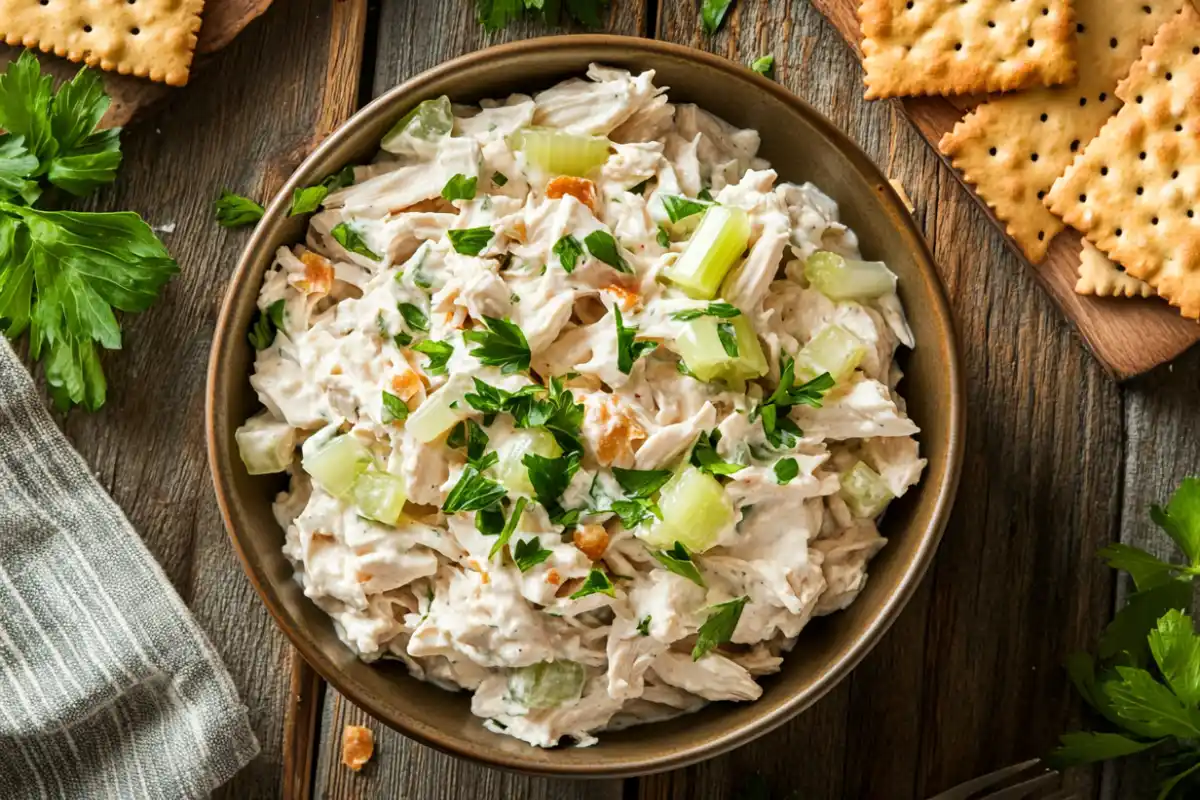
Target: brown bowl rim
(870, 636)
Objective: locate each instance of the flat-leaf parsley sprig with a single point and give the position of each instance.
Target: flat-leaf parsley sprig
(64, 274)
(1146, 682)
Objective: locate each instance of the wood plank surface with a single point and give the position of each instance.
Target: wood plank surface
(1128, 336)
(1007, 598)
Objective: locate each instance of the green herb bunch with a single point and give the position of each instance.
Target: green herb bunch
(64, 274)
(1146, 681)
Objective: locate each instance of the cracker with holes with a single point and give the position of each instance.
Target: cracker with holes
(151, 39)
(1135, 190)
(918, 47)
(1012, 148)
(1100, 277)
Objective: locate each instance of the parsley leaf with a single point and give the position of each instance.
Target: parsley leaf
(1181, 518)
(439, 353)
(473, 492)
(679, 561)
(529, 553)
(499, 178)
(510, 526)
(265, 325)
(460, 187)
(728, 338)
(764, 66)
(568, 251)
(634, 512)
(352, 240)
(641, 482)
(643, 626)
(1147, 570)
(1149, 708)
(678, 208)
(502, 345)
(712, 14)
(787, 393)
(663, 238)
(394, 409)
(550, 478)
(1176, 650)
(1087, 747)
(786, 470)
(721, 310)
(719, 627)
(17, 165)
(1126, 634)
(491, 400)
(468, 434)
(628, 351)
(414, 317)
(234, 211)
(470, 241)
(596, 581)
(704, 456)
(603, 246)
(309, 198)
(495, 14)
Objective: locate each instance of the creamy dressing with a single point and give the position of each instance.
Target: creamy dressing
(427, 590)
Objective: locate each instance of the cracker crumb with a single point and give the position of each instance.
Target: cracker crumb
(358, 745)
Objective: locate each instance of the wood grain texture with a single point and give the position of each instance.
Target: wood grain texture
(402, 768)
(1006, 600)
(147, 445)
(1129, 337)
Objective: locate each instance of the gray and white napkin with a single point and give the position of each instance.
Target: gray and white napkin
(107, 686)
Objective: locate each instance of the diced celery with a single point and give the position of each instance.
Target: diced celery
(700, 347)
(509, 471)
(266, 445)
(864, 491)
(548, 684)
(336, 464)
(834, 350)
(840, 278)
(429, 122)
(717, 244)
(559, 153)
(441, 411)
(380, 496)
(695, 511)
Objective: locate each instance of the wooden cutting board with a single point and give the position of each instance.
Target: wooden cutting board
(222, 21)
(1127, 336)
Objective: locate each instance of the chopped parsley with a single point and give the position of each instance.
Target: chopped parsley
(352, 240)
(470, 435)
(663, 238)
(394, 409)
(781, 431)
(679, 561)
(529, 553)
(459, 187)
(712, 14)
(439, 353)
(764, 66)
(641, 482)
(728, 338)
(603, 246)
(414, 317)
(507, 531)
(596, 581)
(568, 251)
(499, 178)
(550, 478)
(719, 627)
(721, 310)
(309, 198)
(234, 211)
(643, 626)
(502, 345)
(704, 456)
(786, 470)
(628, 351)
(470, 241)
(266, 324)
(491, 400)
(678, 208)
(473, 492)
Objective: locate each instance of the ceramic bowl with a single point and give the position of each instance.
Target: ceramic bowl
(802, 146)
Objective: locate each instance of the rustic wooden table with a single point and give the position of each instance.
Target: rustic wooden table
(1059, 459)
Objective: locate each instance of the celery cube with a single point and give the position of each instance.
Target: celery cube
(865, 492)
(700, 346)
(840, 278)
(559, 153)
(380, 496)
(834, 350)
(509, 471)
(717, 244)
(548, 684)
(265, 444)
(337, 463)
(441, 411)
(695, 510)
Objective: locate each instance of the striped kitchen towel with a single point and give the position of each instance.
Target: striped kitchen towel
(107, 686)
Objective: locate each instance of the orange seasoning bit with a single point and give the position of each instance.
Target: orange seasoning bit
(358, 745)
(581, 189)
(318, 273)
(628, 298)
(552, 577)
(591, 540)
(406, 385)
(619, 432)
